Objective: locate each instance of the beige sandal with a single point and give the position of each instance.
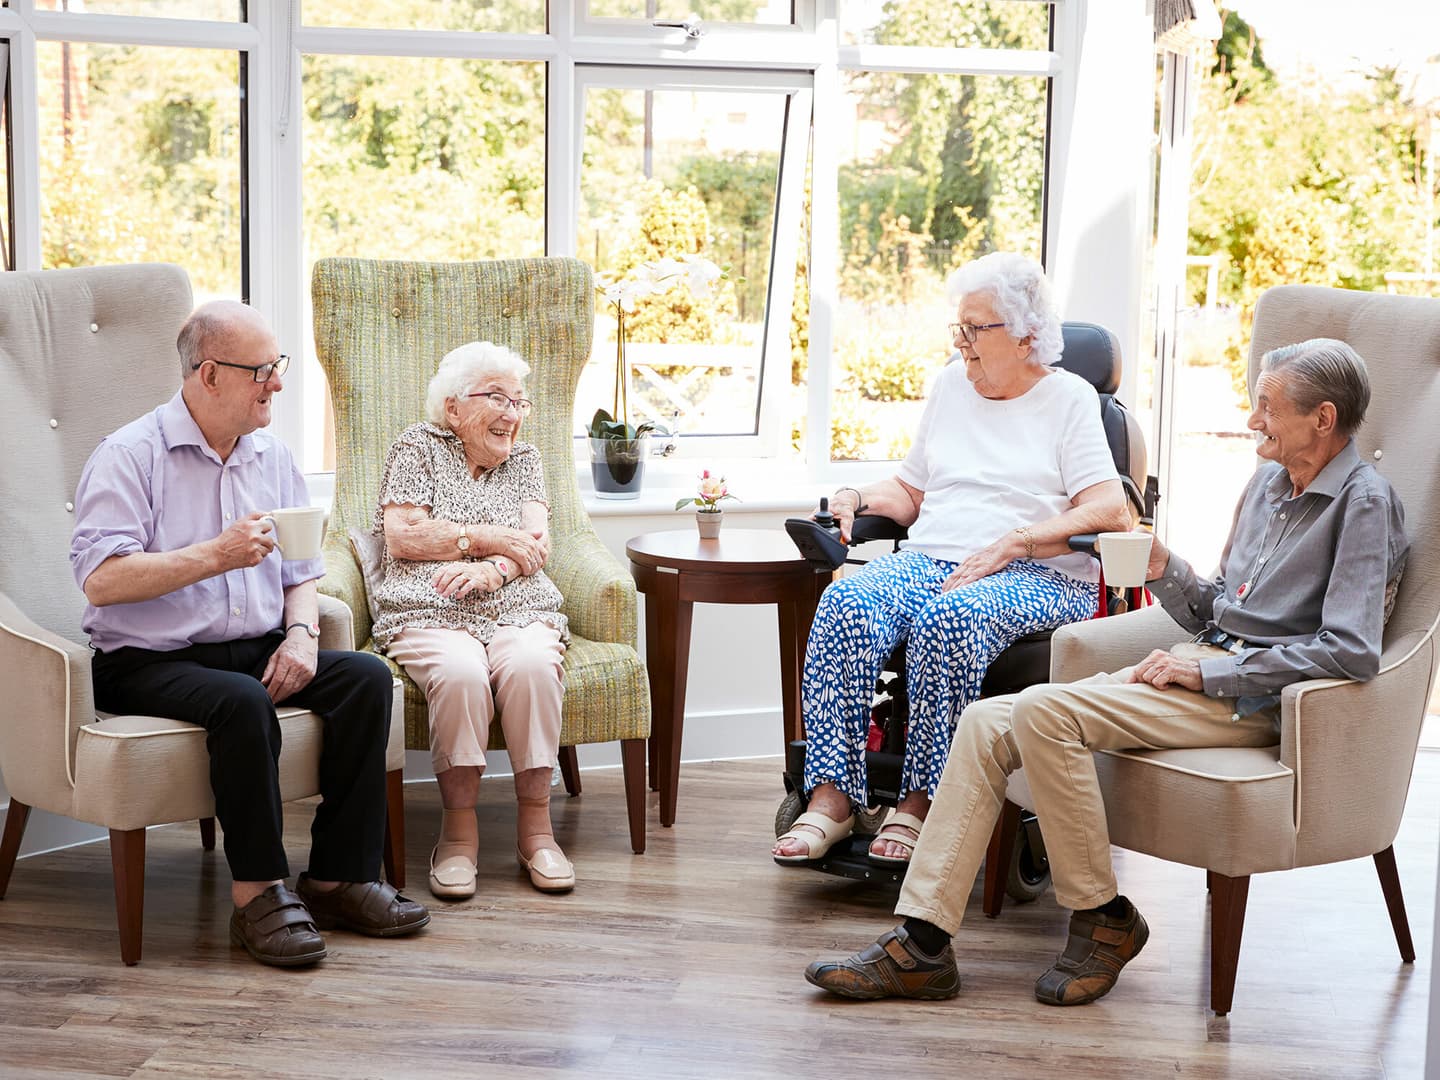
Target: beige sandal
(896, 820)
(832, 832)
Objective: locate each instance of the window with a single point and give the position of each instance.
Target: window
(682, 170)
(7, 215)
(230, 10)
(140, 159)
(770, 12)
(979, 24)
(507, 16)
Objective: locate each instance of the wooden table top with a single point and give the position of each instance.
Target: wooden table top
(735, 551)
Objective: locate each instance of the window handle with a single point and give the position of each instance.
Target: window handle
(691, 24)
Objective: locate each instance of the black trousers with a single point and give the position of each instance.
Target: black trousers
(217, 687)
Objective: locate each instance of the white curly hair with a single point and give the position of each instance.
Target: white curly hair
(463, 368)
(1020, 295)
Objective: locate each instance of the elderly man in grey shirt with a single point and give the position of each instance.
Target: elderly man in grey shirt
(1305, 585)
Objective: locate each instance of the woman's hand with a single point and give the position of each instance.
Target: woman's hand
(458, 580)
(990, 559)
(528, 549)
(843, 505)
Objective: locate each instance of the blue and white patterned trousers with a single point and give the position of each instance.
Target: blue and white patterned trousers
(952, 638)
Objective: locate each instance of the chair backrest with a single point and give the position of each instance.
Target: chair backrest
(1399, 339)
(82, 352)
(382, 326)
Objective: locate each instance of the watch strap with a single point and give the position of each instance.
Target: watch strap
(311, 629)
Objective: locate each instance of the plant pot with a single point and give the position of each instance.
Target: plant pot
(708, 522)
(617, 467)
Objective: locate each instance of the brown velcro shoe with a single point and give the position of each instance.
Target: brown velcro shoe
(276, 929)
(1098, 948)
(367, 907)
(892, 967)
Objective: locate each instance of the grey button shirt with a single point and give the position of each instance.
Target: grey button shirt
(1302, 580)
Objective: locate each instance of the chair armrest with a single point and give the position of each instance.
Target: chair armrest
(1352, 748)
(1082, 649)
(599, 593)
(343, 582)
(337, 629)
(48, 697)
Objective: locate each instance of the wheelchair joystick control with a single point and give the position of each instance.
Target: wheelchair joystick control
(823, 517)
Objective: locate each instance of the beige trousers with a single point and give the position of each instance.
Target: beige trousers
(1052, 729)
(520, 672)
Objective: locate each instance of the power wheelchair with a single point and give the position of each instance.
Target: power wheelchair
(1093, 353)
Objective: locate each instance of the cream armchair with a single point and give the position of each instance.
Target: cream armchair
(1334, 787)
(81, 353)
(381, 328)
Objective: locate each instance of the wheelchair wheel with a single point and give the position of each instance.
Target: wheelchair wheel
(1029, 875)
(791, 807)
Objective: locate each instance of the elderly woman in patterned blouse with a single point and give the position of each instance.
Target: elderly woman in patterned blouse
(466, 607)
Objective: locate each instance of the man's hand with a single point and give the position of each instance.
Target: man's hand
(291, 667)
(990, 559)
(1163, 670)
(1159, 559)
(458, 580)
(244, 544)
(529, 549)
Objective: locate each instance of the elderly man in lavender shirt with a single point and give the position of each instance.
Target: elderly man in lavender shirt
(193, 616)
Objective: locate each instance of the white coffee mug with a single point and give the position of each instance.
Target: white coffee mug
(298, 531)
(1124, 556)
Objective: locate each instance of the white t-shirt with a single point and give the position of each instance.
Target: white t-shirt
(988, 466)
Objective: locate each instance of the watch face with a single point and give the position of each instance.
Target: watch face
(463, 543)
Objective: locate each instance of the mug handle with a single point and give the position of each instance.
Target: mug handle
(274, 530)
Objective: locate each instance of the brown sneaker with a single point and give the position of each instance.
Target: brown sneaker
(276, 929)
(1098, 948)
(892, 967)
(367, 907)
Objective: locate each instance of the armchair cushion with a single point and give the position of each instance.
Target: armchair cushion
(369, 551)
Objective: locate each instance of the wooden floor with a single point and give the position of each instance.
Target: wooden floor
(687, 961)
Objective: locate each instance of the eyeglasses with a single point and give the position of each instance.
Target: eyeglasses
(500, 402)
(260, 372)
(969, 331)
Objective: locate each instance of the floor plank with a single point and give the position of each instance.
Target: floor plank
(687, 961)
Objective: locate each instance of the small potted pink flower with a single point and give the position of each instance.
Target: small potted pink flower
(709, 491)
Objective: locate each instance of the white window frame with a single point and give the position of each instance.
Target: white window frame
(805, 56)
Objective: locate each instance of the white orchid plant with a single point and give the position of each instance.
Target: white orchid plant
(624, 291)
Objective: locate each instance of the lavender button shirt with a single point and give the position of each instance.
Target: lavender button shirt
(156, 485)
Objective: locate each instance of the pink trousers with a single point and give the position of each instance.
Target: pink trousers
(464, 682)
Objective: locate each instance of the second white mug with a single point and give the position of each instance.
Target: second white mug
(299, 531)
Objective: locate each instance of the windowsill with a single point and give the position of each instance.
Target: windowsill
(760, 486)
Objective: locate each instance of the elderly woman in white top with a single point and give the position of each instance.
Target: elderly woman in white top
(1009, 462)
(467, 610)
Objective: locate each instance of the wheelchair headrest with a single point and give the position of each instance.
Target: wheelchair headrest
(1093, 353)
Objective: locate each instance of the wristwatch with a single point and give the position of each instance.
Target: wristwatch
(463, 542)
(311, 628)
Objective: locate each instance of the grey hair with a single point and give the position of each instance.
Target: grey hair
(1323, 369)
(1020, 295)
(462, 368)
(209, 322)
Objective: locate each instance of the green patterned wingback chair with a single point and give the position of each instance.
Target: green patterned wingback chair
(381, 327)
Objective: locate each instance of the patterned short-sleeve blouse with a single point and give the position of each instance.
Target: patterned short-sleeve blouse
(427, 467)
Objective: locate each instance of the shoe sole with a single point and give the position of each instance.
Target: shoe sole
(877, 995)
(301, 960)
(331, 923)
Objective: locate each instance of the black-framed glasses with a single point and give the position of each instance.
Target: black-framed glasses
(500, 402)
(260, 372)
(969, 331)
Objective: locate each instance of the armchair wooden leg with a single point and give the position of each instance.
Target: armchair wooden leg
(570, 770)
(1389, 883)
(632, 763)
(127, 863)
(1227, 921)
(997, 858)
(207, 833)
(15, 820)
(394, 854)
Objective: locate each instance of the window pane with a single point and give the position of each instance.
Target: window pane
(408, 158)
(669, 173)
(140, 159)
(498, 16)
(979, 24)
(770, 12)
(227, 10)
(935, 170)
(7, 236)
